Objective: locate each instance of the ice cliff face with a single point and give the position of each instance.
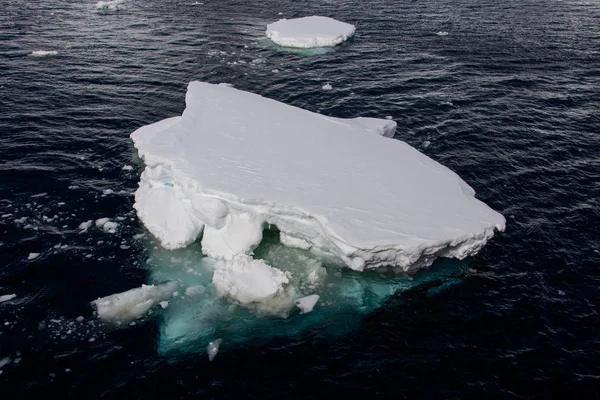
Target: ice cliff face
(235, 162)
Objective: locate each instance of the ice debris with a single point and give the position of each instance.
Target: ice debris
(212, 349)
(7, 297)
(134, 303)
(106, 225)
(306, 304)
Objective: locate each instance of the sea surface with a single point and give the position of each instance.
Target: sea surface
(509, 98)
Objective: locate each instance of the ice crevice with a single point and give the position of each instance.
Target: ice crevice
(235, 163)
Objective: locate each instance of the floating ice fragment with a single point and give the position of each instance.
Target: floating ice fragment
(107, 191)
(309, 32)
(127, 168)
(212, 349)
(442, 33)
(164, 304)
(327, 86)
(33, 256)
(107, 225)
(306, 304)
(248, 281)
(123, 307)
(194, 290)
(109, 5)
(84, 226)
(43, 53)
(5, 361)
(7, 297)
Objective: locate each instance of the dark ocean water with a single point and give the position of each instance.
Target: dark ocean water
(509, 99)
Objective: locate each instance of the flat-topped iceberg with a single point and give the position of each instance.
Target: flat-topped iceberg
(308, 32)
(235, 163)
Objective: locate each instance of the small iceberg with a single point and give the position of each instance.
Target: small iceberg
(109, 5)
(442, 33)
(44, 53)
(134, 303)
(309, 32)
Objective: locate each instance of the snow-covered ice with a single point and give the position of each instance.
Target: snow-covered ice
(7, 297)
(43, 53)
(327, 86)
(308, 32)
(334, 186)
(33, 256)
(134, 303)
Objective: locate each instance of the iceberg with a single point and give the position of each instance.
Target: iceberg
(235, 163)
(309, 32)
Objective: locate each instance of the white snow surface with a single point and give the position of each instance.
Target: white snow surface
(134, 303)
(235, 161)
(308, 32)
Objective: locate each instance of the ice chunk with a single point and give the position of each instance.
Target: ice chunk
(309, 32)
(4, 361)
(306, 304)
(127, 168)
(164, 304)
(109, 5)
(327, 87)
(134, 303)
(240, 235)
(246, 280)
(33, 256)
(106, 225)
(442, 33)
(236, 161)
(212, 349)
(43, 53)
(84, 226)
(195, 290)
(7, 297)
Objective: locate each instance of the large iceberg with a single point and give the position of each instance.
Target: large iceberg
(236, 163)
(308, 32)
